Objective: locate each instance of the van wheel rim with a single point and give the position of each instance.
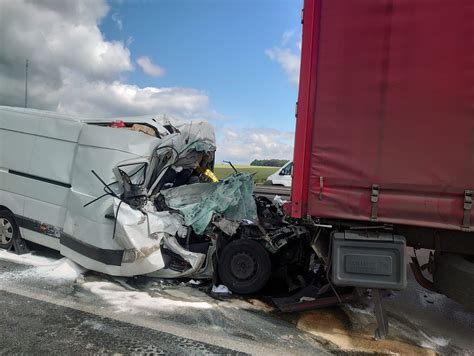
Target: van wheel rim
(6, 231)
(243, 266)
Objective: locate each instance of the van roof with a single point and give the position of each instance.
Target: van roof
(73, 117)
(43, 113)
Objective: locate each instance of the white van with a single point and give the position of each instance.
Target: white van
(282, 176)
(53, 167)
(135, 196)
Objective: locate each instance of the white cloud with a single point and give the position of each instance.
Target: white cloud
(287, 56)
(287, 35)
(298, 44)
(243, 145)
(118, 20)
(289, 61)
(119, 99)
(149, 67)
(74, 69)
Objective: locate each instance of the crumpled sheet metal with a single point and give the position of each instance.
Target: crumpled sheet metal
(227, 226)
(198, 136)
(143, 234)
(231, 197)
(196, 260)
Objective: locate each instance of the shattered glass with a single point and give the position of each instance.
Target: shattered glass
(231, 197)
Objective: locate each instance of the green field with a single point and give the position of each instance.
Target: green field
(224, 170)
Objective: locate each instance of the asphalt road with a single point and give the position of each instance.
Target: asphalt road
(45, 309)
(51, 306)
(35, 327)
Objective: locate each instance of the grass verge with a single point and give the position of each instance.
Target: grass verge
(261, 173)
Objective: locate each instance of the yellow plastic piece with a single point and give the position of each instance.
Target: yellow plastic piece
(210, 174)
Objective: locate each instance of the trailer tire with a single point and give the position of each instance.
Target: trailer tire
(8, 229)
(454, 276)
(244, 266)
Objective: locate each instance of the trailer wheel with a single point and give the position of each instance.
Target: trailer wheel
(244, 266)
(454, 276)
(8, 229)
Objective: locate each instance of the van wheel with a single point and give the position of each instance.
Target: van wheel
(8, 229)
(244, 266)
(268, 183)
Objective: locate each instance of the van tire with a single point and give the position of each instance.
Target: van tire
(244, 266)
(8, 229)
(454, 276)
(268, 183)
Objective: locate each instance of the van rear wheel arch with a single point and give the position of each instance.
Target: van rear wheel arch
(4, 208)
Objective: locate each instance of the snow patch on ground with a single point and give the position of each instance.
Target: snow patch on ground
(26, 259)
(427, 297)
(137, 301)
(42, 267)
(61, 269)
(433, 342)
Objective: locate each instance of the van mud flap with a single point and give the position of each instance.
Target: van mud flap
(19, 246)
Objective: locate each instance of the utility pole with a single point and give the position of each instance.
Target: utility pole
(26, 84)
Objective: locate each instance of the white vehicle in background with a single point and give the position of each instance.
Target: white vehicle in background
(282, 176)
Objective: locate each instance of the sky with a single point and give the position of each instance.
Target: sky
(234, 63)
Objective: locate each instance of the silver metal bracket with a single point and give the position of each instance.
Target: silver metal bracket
(382, 321)
(374, 198)
(466, 224)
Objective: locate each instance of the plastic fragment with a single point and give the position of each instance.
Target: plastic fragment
(220, 289)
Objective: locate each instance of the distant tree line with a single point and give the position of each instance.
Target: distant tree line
(269, 162)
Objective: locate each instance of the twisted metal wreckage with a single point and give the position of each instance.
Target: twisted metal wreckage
(174, 213)
(138, 197)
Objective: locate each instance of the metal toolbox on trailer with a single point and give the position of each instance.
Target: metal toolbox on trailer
(369, 260)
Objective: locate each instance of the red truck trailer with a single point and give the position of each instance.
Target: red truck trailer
(384, 149)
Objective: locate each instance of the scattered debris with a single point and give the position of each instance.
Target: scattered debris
(279, 201)
(220, 289)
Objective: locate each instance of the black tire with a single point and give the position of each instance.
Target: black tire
(8, 229)
(454, 276)
(268, 183)
(244, 266)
